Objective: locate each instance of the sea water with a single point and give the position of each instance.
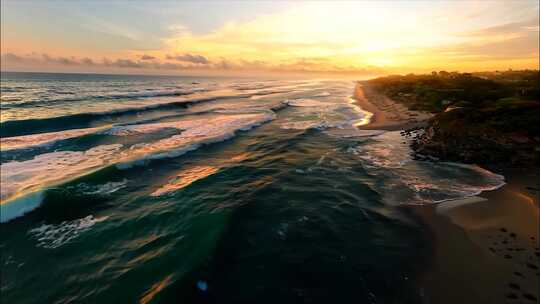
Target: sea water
(118, 189)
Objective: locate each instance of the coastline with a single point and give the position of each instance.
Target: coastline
(388, 115)
(485, 247)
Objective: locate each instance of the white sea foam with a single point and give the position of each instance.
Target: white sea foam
(388, 150)
(51, 167)
(153, 100)
(324, 114)
(446, 206)
(304, 102)
(414, 181)
(135, 129)
(20, 205)
(53, 236)
(196, 132)
(323, 94)
(21, 179)
(102, 189)
(156, 93)
(42, 139)
(303, 125)
(23, 182)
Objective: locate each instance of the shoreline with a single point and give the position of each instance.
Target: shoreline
(388, 115)
(485, 247)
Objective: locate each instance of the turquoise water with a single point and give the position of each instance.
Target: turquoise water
(120, 189)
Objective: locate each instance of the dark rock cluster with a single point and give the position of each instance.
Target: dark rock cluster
(460, 141)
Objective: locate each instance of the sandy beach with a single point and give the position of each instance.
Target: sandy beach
(486, 247)
(387, 114)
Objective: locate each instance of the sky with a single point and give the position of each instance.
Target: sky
(357, 38)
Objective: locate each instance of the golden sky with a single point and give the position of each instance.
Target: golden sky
(358, 38)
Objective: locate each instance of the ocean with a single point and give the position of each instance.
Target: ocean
(120, 189)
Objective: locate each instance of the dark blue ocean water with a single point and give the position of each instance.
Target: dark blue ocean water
(119, 189)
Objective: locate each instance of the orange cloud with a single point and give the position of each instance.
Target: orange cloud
(333, 37)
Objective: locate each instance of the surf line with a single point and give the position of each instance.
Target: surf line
(366, 116)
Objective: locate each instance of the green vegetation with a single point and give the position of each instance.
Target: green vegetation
(439, 90)
(490, 118)
(517, 117)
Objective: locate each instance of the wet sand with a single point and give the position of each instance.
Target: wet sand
(387, 114)
(486, 247)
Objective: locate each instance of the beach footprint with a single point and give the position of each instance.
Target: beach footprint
(523, 254)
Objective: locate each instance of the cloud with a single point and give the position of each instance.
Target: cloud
(60, 60)
(514, 40)
(367, 38)
(339, 37)
(505, 31)
(198, 59)
(147, 57)
(12, 57)
(512, 48)
(313, 65)
(126, 63)
(87, 61)
(36, 59)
